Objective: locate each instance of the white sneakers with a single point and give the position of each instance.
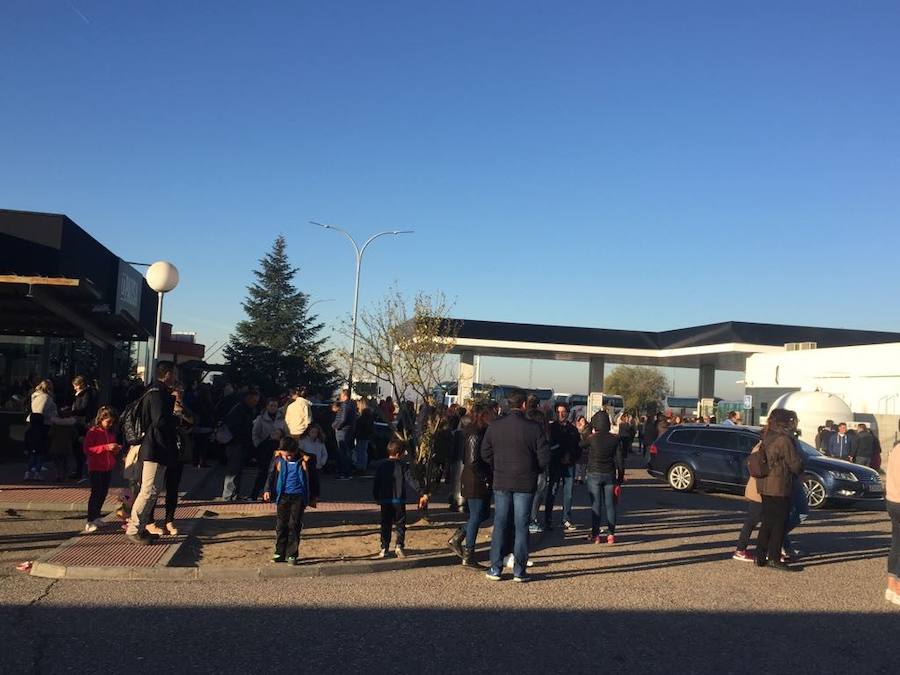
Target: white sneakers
(90, 527)
(510, 561)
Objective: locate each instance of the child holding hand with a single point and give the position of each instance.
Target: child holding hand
(100, 448)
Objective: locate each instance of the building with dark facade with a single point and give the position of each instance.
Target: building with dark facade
(68, 305)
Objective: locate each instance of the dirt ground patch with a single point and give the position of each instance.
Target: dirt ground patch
(248, 541)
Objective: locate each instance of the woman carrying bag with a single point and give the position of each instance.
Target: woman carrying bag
(782, 462)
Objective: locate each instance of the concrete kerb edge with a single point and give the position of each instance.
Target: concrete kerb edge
(216, 573)
(53, 507)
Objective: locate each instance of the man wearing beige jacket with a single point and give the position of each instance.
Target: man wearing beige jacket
(298, 414)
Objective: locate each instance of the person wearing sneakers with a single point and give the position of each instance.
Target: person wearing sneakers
(517, 450)
(799, 511)
(293, 484)
(564, 444)
(101, 449)
(892, 497)
(605, 470)
(779, 447)
(476, 485)
(389, 491)
(159, 448)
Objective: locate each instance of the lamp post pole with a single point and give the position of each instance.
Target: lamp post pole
(359, 250)
(162, 277)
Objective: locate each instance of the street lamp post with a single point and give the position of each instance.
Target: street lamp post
(162, 277)
(359, 255)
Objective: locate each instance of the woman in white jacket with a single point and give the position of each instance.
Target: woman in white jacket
(44, 414)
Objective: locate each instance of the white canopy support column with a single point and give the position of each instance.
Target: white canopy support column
(466, 380)
(707, 384)
(596, 368)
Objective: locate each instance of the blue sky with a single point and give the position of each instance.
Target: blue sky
(643, 165)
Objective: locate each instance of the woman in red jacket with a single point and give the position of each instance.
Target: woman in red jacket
(101, 448)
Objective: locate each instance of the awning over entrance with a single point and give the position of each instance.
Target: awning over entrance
(58, 281)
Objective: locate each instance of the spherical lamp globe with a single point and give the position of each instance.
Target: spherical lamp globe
(162, 277)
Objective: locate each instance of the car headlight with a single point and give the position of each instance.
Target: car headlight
(844, 475)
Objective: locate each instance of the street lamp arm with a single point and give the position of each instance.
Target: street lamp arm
(380, 234)
(343, 232)
(359, 256)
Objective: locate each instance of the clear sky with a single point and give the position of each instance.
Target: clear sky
(645, 165)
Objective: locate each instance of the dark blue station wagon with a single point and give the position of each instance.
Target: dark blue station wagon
(714, 456)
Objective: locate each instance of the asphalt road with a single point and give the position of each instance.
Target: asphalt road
(668, 598)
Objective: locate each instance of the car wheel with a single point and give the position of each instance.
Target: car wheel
(681, 477)
(815, 492)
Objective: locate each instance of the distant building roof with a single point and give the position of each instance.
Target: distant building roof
(725, 345)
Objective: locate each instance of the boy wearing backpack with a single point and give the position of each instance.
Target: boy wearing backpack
(293, 484)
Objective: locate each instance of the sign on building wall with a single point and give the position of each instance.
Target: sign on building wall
(128, 291)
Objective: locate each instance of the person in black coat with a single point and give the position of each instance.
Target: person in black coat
(605, 471)
(84, 408)
(517, 450)
(476, 484)
(565, 453)
(159, 448)
(239, 421)
(390, 491)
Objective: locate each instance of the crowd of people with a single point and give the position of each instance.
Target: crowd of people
(518, 459)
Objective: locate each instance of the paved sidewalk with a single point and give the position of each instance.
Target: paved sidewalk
(108, 554)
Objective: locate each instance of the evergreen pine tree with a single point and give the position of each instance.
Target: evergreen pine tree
(278, 344)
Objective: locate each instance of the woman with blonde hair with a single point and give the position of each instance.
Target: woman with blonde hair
(42, 416)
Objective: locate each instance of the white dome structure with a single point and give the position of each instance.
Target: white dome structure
(813, 408)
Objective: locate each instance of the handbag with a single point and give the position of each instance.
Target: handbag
(222, 435)
(129, 469)
(758, 464)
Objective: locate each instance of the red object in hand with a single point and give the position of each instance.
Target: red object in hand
(617, 493)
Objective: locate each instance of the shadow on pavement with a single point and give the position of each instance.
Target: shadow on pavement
(385, 639)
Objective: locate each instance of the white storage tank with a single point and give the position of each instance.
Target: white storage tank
(813, 408)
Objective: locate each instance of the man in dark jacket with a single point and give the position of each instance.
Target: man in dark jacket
(863, 446)
(517, 450)
(239, 421)
(344, 422)
(158, 449)
(565, 453)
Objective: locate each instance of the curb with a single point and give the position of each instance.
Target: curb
(108, 505)
(55, 507)
(215, 573)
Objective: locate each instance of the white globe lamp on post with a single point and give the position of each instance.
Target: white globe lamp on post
(162, 277)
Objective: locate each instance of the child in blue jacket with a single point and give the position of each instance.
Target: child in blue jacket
(293, 484)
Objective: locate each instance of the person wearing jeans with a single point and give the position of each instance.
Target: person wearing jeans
(605, 470)
(516, 450)
(511, 508)
(562, 476)
(475, 484)
(344, 422)
(540, 497)
(601, 488)
(564, 438)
